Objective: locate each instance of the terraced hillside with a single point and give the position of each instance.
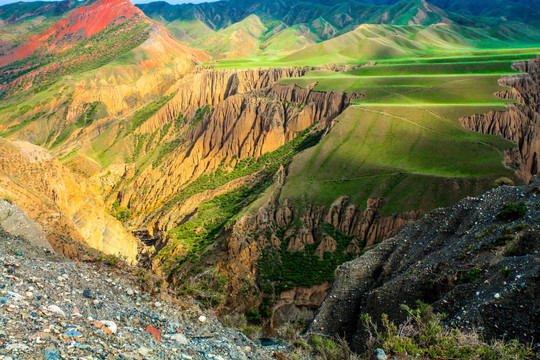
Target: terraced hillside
(393, 155)
(403, 141)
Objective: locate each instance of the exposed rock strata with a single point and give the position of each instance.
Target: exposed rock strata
(241, 248)
(250, 115)
(521, 122)
(427, 260)
(69, 209)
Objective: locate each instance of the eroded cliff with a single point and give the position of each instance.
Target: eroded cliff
(70, 211)
(476, 262)
(521, 122)
(289, 251)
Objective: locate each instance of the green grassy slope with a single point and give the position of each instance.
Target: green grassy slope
(403, 141)
(390, 42)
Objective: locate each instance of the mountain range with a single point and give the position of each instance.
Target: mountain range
(261, 142)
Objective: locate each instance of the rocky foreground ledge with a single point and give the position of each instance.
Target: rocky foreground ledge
(477, 262)
(52, 308)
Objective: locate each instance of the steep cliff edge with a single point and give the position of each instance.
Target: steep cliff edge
(521, 122)
(476, 261)
(70, 211)
(214, 122)
(289, 252)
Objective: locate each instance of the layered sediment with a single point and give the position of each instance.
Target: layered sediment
(520, 123)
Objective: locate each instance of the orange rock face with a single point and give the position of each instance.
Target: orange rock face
(70, 210)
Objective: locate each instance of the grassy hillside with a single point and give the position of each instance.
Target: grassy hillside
(403, 141)
(386, 42)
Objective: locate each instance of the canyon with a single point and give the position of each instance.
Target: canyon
(126, 131)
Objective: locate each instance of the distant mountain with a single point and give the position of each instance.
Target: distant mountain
(527, 11)
(515, 10)
(12, 13)
(269, 27)
(52, 40)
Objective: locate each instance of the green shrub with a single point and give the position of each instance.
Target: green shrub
(252, 332)
(7, 197)
(511, 211)
(423, 336)
(253, 315)
(121, 213)
(112, 260)
(469, 277)
(301, 343)
(503, 181)
(208, 287)
(328, 349)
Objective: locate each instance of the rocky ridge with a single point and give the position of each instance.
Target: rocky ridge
(53, 308)
(474, 262)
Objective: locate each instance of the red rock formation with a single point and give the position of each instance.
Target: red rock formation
(79, 24)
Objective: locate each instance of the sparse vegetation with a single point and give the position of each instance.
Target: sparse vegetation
(112, 260)
(6, 197)
(512, 211)
(503, 181)
(146, 112)
(470, 276)
(208, 287)
(423, 336)
(121, 213)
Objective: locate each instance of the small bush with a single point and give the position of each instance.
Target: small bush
(253, 315)
(301, 343)
(328, 349)
(112, 260)
(208, 287)
(511, 211)
(121, 213)
(423, 337)
(469, 277)
(7, 198)
(252, 332)
(150, 281)
(235, 320)
(503, 181)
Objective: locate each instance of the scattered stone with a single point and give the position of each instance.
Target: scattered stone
(56, 310)
(88, 294)
(130, 324)
(180, 338)
(380, 354)
(155, 332)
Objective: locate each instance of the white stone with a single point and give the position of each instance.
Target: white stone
(180, 338)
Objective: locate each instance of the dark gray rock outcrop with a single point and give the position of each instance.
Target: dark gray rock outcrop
(467, 261)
